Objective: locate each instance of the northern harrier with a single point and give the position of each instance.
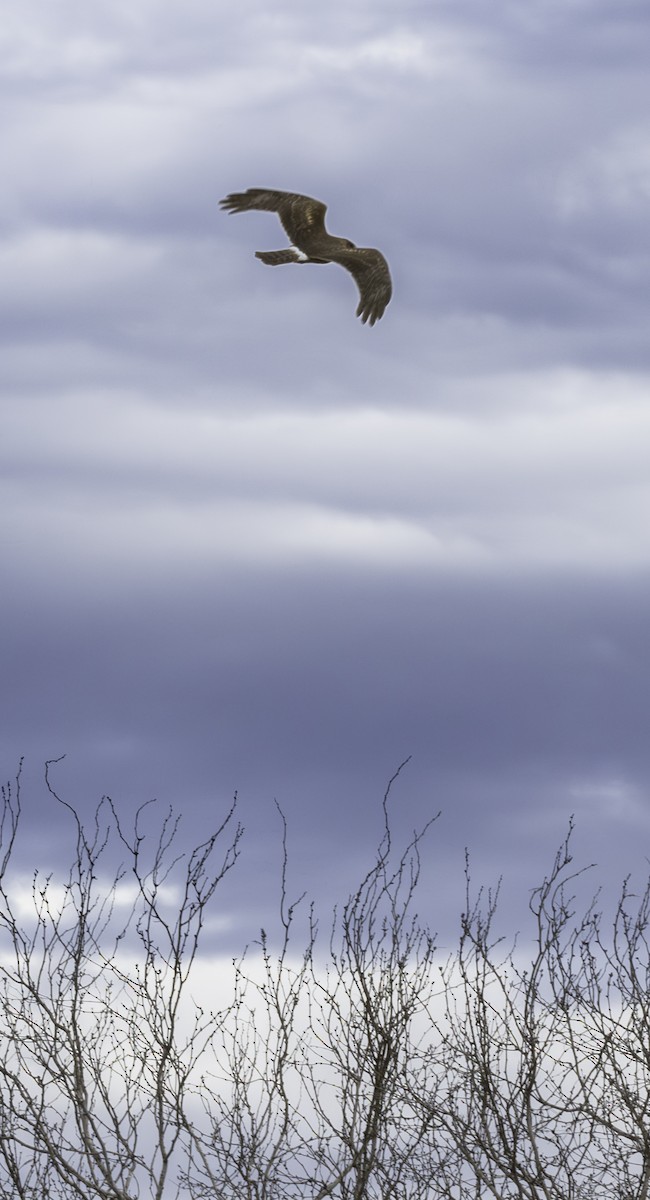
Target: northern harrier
(304, 221)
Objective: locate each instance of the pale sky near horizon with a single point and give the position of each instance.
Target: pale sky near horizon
(250, 544)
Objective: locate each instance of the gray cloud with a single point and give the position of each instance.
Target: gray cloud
(249, 543)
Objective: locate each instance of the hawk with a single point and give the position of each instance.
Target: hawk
(304, 221)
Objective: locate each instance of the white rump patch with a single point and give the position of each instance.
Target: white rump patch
(300, 257)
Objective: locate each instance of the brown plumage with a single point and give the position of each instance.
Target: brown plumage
(304, 221)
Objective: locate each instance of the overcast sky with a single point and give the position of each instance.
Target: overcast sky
(251, 544)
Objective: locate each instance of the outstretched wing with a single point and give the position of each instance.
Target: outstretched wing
(302, 216)
(372, 277)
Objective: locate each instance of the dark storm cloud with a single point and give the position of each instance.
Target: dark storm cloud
(251, 544)
(518, 703)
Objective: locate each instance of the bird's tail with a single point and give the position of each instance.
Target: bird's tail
(276, 258)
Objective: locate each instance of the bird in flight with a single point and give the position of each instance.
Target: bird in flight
(304, 221)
